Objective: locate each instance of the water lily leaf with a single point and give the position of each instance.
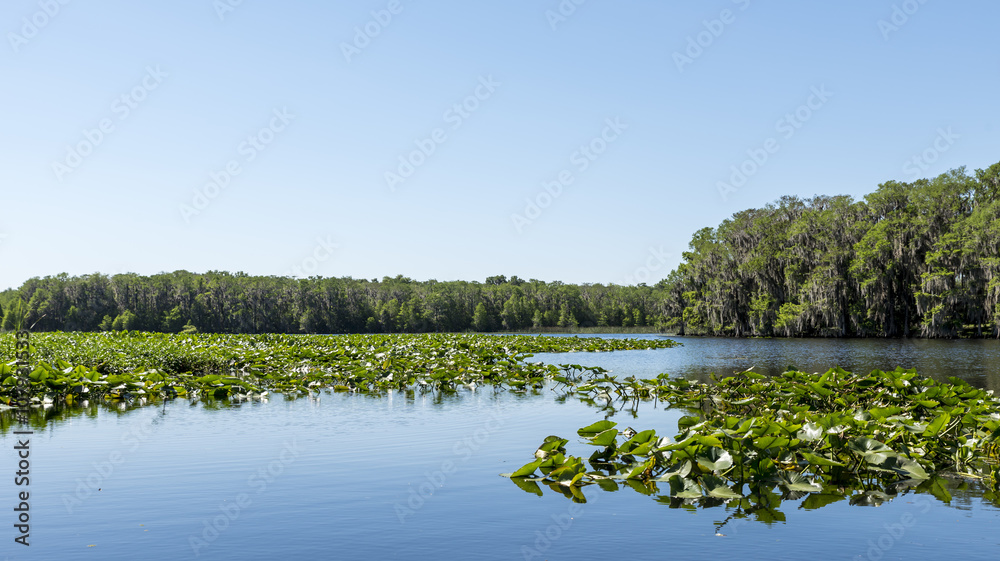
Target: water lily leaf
(682, 469)
(873, 451)
(684, 488)
(527, 469)
(716, 487)
(643, 438)
(935, 426)
(552, 445)
(638, 471)
(797, 482)
(603, 455)
(906, 467)
(810, 431)
(566, 474)
(598, 427)
(884, 412)
(770, 441)
(821, 390)
(605, 438)
(915, 428)
(662, 443)
(817, 460)
(764, 468)
(679, 445)
(708, 440)
(688, 422)
(715, 459)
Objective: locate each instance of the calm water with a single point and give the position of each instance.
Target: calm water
(415, 477)
(977, 361)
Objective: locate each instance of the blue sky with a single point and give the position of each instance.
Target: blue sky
(581, 142)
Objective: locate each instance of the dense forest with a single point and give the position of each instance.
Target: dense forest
(237, 303)
(911, 259)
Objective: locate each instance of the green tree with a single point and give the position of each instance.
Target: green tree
(174, 320)
(126, 321)
(537, 319)
(481, 320)
(566, 317)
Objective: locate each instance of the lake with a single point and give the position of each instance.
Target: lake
(412, 476)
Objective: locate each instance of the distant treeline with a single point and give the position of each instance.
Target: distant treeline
(221, 302)
(920, 258)
(911, 259)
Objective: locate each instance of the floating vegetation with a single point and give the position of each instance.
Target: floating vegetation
(753, 441)
(72, 368)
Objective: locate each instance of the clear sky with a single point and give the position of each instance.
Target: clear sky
(573, 140)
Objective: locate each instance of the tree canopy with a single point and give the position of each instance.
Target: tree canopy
(221, 302)
(920, 258)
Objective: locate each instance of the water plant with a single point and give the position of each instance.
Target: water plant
(125, 366)
(751, 441)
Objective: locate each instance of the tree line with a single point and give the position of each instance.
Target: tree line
(222, 302)
(910, 259)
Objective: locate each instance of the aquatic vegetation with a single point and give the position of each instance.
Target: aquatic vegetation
(124, 366)
(752, 441)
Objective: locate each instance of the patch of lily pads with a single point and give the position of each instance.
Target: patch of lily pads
(136, 367)
(751, 442)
